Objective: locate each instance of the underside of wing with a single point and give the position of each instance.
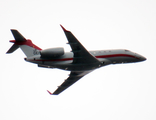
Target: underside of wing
(73, 77)
(81, 55)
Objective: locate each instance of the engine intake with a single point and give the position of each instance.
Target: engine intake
(52, 52)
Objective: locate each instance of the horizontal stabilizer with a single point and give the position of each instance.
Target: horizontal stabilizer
(13, 48)
(18, 37)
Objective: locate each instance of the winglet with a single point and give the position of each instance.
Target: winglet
(64, 29)
(49, 92)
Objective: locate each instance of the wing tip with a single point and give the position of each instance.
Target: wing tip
(49, 92)
(13, 30)
(64, 28)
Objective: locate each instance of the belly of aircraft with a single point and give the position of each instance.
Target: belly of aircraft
(75, 67)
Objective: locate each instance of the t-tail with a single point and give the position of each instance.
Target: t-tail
(26, 45)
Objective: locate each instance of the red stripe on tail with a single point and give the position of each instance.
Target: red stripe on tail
(27, 42)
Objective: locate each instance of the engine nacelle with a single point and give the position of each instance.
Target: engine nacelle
(52, 52)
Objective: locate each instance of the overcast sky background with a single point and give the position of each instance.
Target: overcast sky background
(115, 92)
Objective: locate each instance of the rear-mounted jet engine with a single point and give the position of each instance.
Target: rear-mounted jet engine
(52, 52)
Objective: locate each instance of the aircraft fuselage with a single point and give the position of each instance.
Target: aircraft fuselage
(106, 57)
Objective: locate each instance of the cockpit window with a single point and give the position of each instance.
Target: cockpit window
(126, 50)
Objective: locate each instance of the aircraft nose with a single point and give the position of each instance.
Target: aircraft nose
(142, 58)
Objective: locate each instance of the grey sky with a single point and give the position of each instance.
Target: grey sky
(114, 92)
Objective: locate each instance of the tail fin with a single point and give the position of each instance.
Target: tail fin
(26, 45)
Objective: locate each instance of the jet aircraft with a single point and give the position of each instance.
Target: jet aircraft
(79, 61)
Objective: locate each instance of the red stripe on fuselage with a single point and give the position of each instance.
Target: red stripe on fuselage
(115, 55)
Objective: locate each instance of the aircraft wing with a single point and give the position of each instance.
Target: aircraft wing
(73, 77)
(81, 55)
